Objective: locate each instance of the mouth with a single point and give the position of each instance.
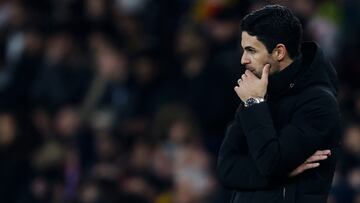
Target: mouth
(247, 67)
(252, 70)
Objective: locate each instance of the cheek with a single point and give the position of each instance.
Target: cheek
(259, 61)
(253, 60)
(260, 58)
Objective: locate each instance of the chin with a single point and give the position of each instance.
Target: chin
(258, 75)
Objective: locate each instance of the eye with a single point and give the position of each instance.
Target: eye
(252, 51)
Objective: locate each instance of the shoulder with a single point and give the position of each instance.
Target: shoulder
(317, 95)
(317, 103)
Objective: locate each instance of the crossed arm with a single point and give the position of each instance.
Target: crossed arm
(274, 154)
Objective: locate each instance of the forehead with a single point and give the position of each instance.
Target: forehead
(251, 41)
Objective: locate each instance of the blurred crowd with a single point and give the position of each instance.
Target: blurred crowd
(105, 101)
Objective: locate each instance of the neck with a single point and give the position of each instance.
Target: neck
(285, 63)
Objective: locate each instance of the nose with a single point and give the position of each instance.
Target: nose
(244, 59)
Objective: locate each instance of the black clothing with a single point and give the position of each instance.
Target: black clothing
(267, 141)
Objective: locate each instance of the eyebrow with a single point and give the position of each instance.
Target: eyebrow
(249, 48)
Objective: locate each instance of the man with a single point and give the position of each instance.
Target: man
(282, 144)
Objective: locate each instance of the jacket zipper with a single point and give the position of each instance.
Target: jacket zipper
(284, 192)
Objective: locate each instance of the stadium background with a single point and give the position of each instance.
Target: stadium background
(107, 101)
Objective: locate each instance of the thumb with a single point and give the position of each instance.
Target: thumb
(265, 72)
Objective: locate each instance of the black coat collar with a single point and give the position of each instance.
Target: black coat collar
(284, 80)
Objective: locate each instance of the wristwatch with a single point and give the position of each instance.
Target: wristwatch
(253, 100)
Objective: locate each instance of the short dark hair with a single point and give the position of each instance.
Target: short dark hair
(274, 24)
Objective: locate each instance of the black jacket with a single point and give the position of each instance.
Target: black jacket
(266, 141)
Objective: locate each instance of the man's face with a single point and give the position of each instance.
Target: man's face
(256, 56)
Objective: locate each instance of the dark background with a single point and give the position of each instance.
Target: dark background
(106, 101)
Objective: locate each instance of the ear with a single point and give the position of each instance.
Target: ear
(280, 52)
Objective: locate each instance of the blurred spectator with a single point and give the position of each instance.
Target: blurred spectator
(62, 78)
(15, 169)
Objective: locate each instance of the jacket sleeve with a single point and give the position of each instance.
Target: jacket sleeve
(276, 153)
(237, 170)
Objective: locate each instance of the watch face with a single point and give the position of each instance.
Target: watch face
(250, 101)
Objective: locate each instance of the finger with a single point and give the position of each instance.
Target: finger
(265, 72)
(328, 152)
(316, 158)
(310, 166)
(295, 172)
(302, 168)
(239, 81)
(249, 73)
(305, 167)
(323, 152)
(243, 77)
